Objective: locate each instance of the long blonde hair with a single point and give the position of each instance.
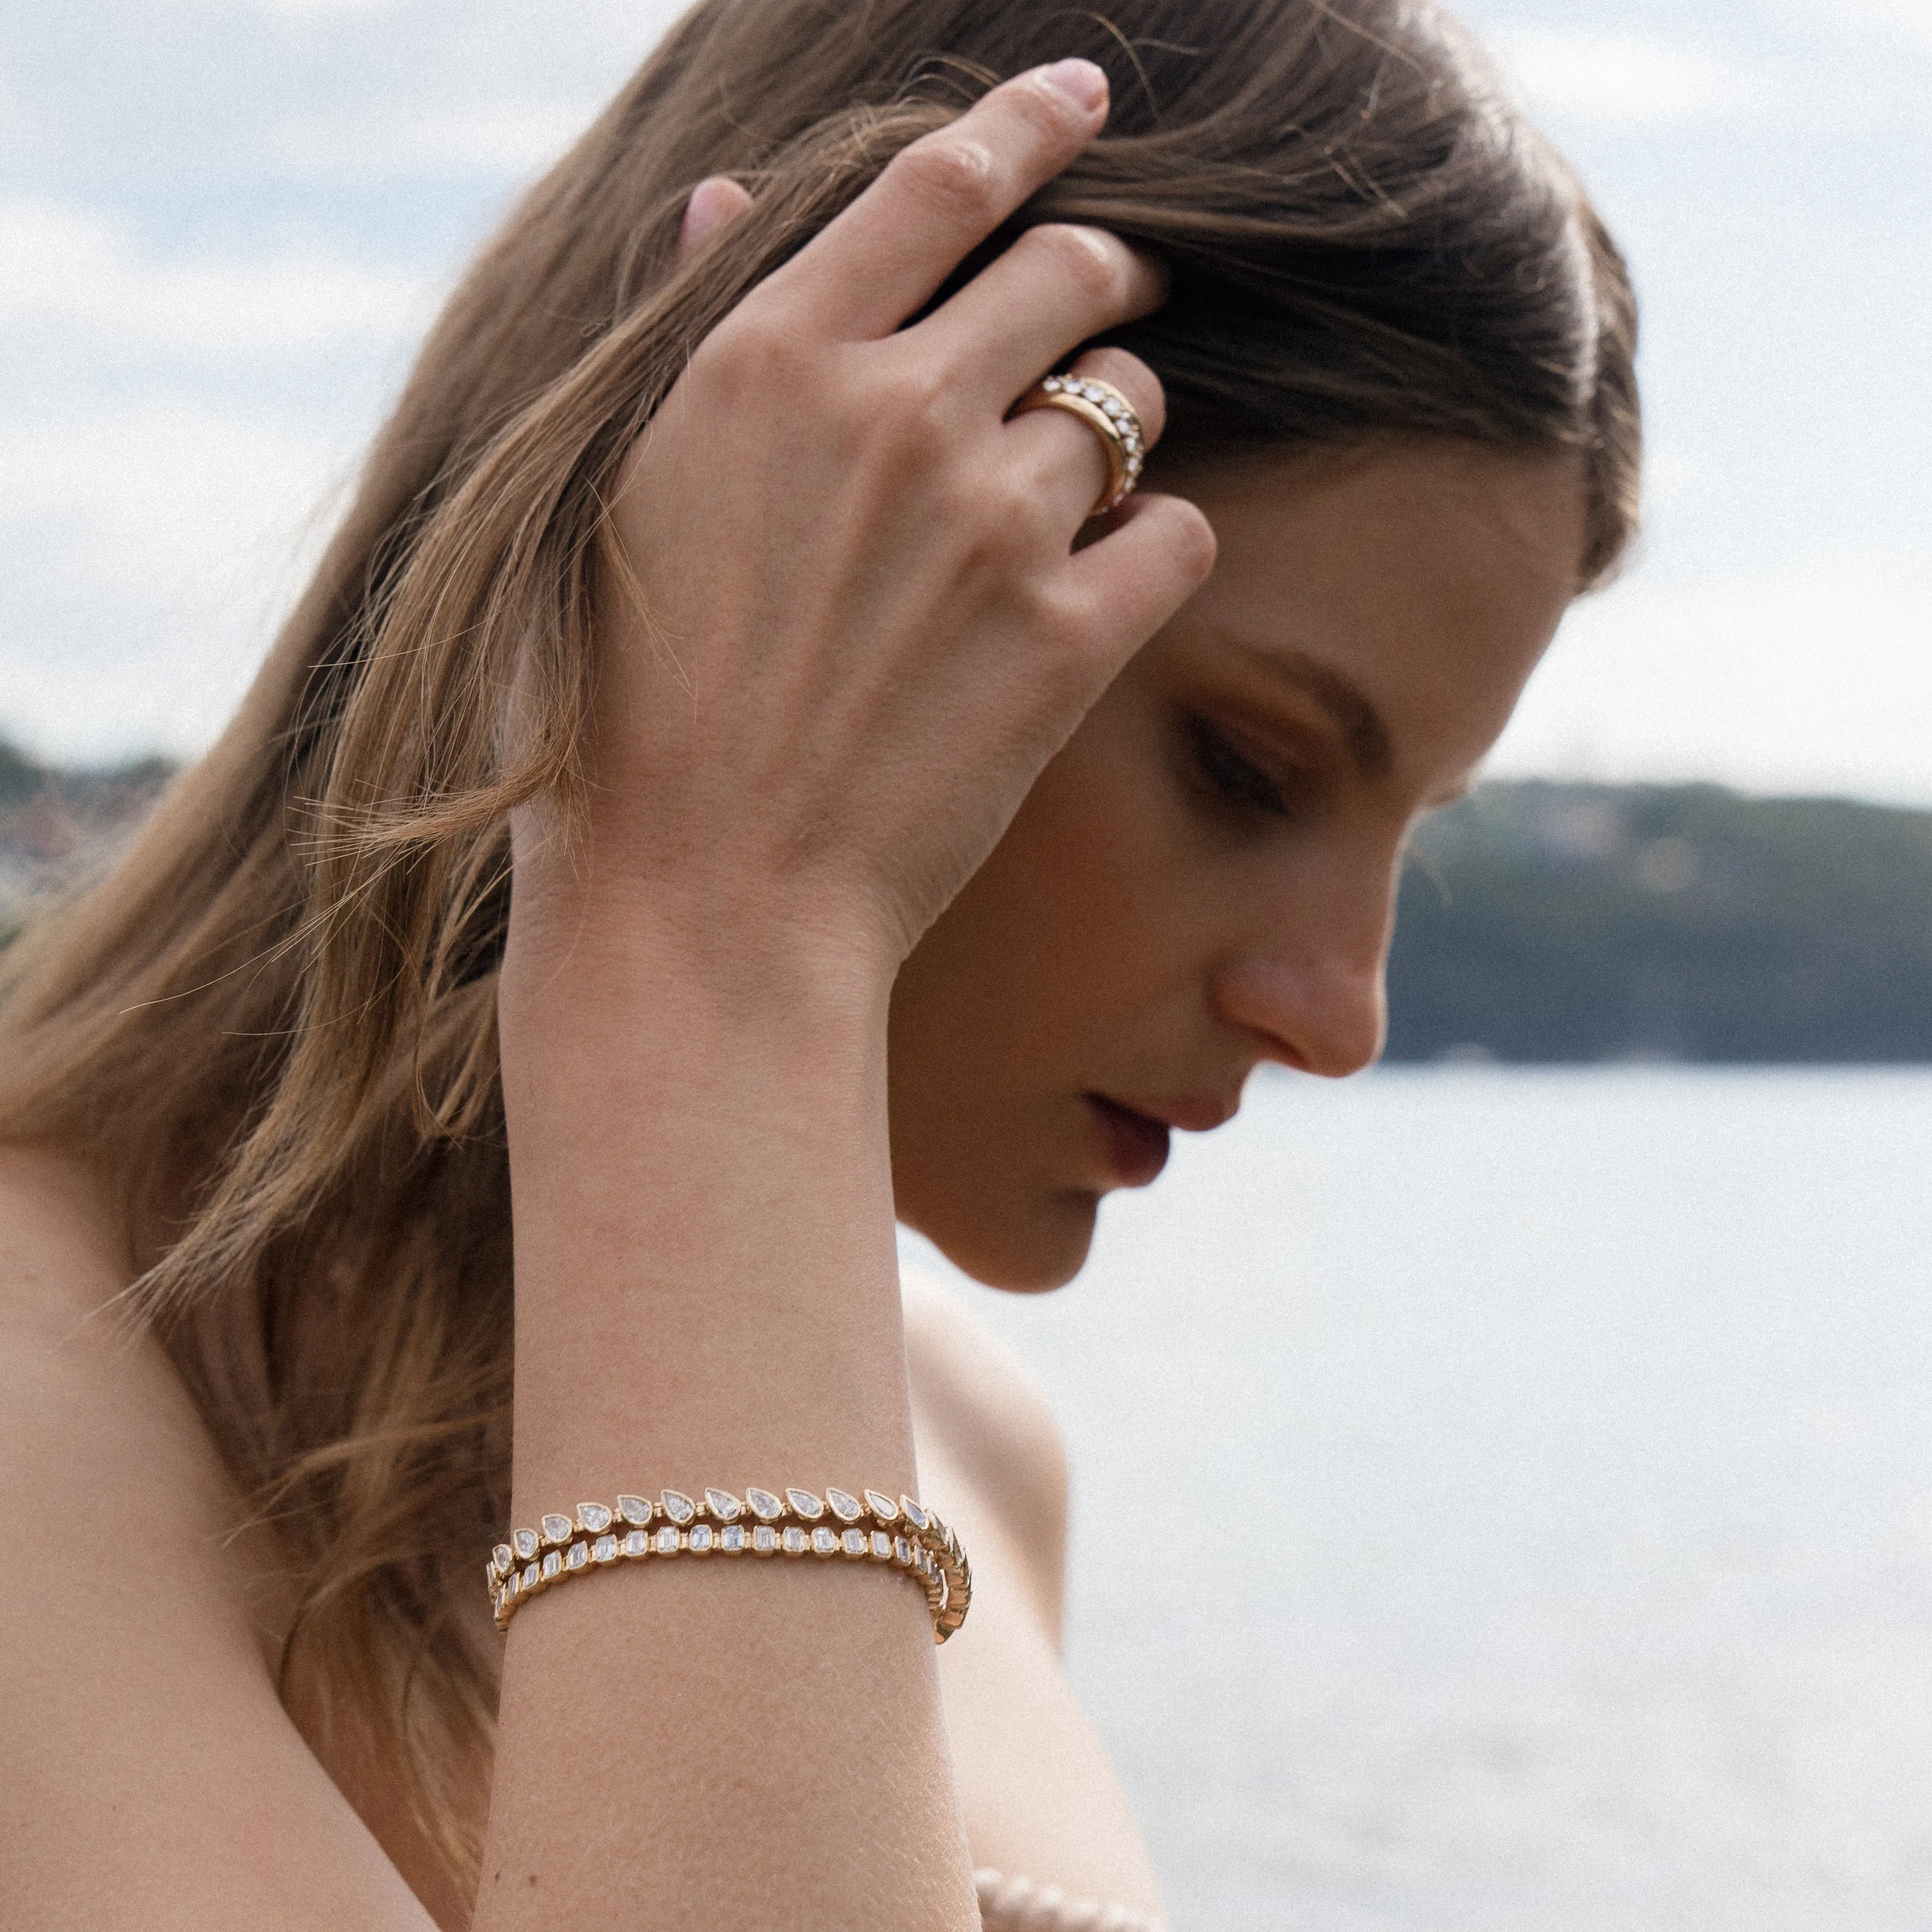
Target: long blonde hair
(273, 1023)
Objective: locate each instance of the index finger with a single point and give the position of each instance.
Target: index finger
(884, 257)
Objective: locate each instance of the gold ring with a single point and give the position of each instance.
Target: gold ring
(1110, 415)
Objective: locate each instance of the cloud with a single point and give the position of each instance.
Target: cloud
(167, 537)
(1819, 684)
(1905, 22)
(1588, 74)
(507, 140)
(301, 12)
(76, 276)
(25, 130)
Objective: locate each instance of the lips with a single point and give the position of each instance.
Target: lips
(1136, 1143)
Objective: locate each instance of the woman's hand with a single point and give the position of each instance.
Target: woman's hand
(847, 628)
(843, 628)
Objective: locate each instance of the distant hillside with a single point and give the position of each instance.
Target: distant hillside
(1581, 922)
(1538, 922)
(54, 821)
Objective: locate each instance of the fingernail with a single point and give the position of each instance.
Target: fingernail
(1079, 80)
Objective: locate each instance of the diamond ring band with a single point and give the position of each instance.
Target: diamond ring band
(868, 1528)
(1110, 415)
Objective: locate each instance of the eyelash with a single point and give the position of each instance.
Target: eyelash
(1237, 780)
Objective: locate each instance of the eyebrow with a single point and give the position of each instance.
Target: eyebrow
(1349, 707)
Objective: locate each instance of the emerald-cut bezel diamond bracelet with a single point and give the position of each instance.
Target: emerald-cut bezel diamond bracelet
(868, 1527)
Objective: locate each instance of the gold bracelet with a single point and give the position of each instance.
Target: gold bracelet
(872, 1529)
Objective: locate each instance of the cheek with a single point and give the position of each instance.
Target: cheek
(1090, 865)
(1053, 945)
(1035, 984)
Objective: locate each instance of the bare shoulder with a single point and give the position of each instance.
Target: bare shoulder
(60, 1253)
(97, 1420)
(148, 1763)
(985, 1420)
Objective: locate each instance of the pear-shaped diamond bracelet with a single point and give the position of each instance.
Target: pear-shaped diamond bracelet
(868, 1528)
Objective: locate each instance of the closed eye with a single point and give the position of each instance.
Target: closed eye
(1233, 777)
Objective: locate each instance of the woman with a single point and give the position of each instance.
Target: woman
(719, 692)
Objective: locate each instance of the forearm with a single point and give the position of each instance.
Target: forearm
(702, 1191)
(863, 646)
(706, 1293)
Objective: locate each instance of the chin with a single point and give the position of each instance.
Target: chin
(1027, 1250)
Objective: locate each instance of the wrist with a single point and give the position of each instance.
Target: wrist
(669, 968)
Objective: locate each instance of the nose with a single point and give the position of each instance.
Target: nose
(1307, 980)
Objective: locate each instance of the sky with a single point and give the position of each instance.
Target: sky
(225, 224)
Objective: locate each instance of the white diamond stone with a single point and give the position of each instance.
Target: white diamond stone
(636, 1543)
(723, 1505)
(634, 1509)
(912, 1513)
(490, 1578)
(558, 1529)
(578, 1557)
(1052, 386)
(847, 1509)
(732, 1537)
(1113, 407)
(698, 1540)
(854, 1542)
(1094, 393)
(532, 1574)
(882, 1507)
(901, 1550)
(504, 1558)
(552, 1564)
(764, 1505)
(824, 1542)
(794, 1541)
(806, 1504)
(512, 1588)
(525, 1542)
(678, 1506)
(604, 1549)
(596, 1517)
(764, 1539)
(668, 1540)
(882, 1546)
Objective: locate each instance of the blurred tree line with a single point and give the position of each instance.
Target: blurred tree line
(1542, 922)
(55, 824)
(1538, 922)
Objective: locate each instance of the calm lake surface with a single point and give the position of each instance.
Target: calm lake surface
(1504, 1502)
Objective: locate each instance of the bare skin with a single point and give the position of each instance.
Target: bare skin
(1193, 879)
(1203, 880)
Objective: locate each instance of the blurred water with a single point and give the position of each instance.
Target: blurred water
(1569, 1433)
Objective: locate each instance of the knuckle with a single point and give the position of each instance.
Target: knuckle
(951, 173)
(1192, 538)
(1010, 509)
(1098, 265)
(992, 519)
(910, 402)
(1053, 611)
(748, 342)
